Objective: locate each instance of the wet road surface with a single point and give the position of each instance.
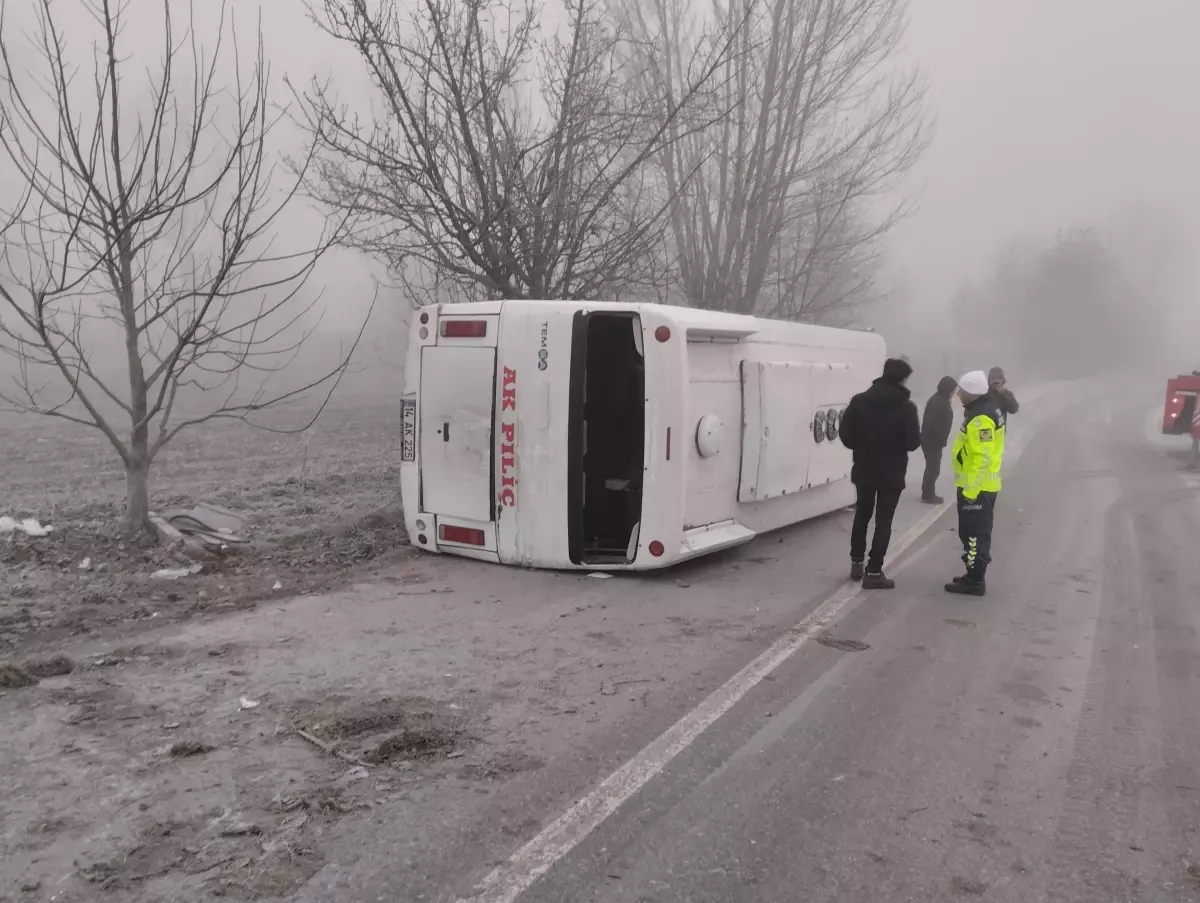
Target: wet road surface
(1042, 743)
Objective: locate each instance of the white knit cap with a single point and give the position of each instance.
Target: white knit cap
(974, 383)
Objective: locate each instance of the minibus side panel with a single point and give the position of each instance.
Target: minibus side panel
(776, 437)
(532, 382)
(833, 387)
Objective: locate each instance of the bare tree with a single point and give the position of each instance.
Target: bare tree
(150, 228)
(769, 208)
(506, 163)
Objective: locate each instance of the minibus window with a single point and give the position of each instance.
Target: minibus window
(606, 437)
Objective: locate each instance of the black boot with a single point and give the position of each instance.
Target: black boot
(878, 580)
(961, 586)
(933, 499)
(973, 583)
(856, 570)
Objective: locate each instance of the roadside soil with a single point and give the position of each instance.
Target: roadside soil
(322, 509)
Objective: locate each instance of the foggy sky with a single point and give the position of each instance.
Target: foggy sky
(1051, 113)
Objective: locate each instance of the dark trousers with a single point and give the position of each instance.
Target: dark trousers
(975, 530)
(933, 469)
(881, 503)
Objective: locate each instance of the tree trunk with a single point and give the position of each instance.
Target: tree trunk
(137, 498)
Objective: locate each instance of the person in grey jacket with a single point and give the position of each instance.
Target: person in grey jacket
(1005, 400)
(935, 433)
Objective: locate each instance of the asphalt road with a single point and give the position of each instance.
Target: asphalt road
(1040, 744)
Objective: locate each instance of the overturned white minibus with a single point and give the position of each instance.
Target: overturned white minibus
(593, 435)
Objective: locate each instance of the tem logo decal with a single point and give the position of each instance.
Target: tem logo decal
(544, 351)
(508, 445)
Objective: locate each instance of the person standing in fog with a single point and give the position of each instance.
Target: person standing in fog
(936, 426)
(880, 427)
(978, 457)
(1005, 400)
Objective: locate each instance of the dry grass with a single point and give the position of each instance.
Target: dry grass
(318, 504)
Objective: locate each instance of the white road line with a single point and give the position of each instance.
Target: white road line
(508, 881)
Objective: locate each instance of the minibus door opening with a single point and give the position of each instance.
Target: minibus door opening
(606, 440)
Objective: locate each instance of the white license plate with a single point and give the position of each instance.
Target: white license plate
(408, 429)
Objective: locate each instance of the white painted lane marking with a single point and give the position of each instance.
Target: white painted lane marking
(508, 881)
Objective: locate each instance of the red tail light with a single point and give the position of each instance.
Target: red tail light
(464, 329)
(464, 535)
(656, 549)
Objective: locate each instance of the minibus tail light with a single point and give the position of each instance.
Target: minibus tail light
(464, 535)
(464, 329)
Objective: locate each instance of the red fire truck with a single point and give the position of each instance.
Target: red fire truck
(1181, 414)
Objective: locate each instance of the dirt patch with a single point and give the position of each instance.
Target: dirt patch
(842, 645)
(14, 677)
(218, 857)
(1193, 872)
(967, 888)
(391, 730)
(55, 666)
(183, 749)
(196, 797)
(501, 765)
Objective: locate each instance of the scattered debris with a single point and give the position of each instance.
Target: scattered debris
(108, 661)
(85, 565)
(392, 731)
(610, 689)
(176, 573)
(55, 666)
(31, 887)
(171, 725)
(29, 526)
(457, 754)
(600, 575)
(842, 645)
(241, 829)
(330, 749)
(205, 526)
(246, 703)
(187, 748)
(14, 677)
(681, 584)
(277, 585)
(357, 773)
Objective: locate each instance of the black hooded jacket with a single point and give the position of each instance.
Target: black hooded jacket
(938, 421)
(1005, 400)
(881, 427)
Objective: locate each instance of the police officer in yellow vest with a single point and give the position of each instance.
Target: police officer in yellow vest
(977, 455)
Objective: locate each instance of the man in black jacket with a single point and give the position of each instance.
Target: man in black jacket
(1005, 400)
(880, 426)
(935, 433)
